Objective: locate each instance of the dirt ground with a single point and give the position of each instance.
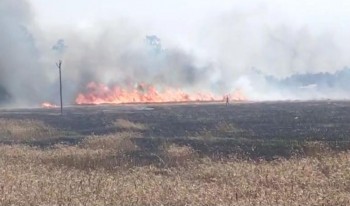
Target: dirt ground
(257, 128)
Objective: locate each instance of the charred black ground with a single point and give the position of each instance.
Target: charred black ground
(264, 129)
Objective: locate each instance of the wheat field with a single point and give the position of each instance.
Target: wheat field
(106, 170)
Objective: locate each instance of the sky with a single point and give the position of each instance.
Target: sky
(159, 13)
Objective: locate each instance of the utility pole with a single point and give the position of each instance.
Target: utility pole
(59, 64)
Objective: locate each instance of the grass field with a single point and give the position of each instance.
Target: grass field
(245, 154)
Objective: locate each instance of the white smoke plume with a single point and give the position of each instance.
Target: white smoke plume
(244, 49)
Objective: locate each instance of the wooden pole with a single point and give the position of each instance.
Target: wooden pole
(59, 65)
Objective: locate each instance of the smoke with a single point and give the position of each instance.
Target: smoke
(124, 56)
(282, 48)
(323, 85)
(118, 54)
(59, 47)
(22, 79)
(243, 49)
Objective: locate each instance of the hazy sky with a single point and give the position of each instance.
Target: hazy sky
(159, 13)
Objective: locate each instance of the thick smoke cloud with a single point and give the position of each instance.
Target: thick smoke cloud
(267, 60)
(22, 79)
(117, 54)
(124, 56)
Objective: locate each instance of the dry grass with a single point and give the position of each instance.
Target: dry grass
(128, 125)
(25, 130)
(175, 155)
(99, 172)
(119, 142)
(112, 170)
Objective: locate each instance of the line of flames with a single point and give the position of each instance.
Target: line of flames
(98, 93)
(48, 105)
(143, 93)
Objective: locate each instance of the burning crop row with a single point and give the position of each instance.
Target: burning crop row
(48, 105)
(98, 93)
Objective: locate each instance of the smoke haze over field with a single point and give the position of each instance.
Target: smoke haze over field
(19, 66)
(267, 49)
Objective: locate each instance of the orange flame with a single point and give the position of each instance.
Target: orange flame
(144, 93)
(48, 105)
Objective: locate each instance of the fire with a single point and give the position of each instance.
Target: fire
(143, 93)
(48, 105)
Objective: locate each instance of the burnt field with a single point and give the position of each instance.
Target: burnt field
(264, 129)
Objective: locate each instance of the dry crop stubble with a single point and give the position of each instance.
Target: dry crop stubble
(112, 169)
(25, 130)
(75, 175)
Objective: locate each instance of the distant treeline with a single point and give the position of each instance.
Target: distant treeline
(321, 81)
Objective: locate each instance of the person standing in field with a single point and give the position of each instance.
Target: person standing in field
(227, 100)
